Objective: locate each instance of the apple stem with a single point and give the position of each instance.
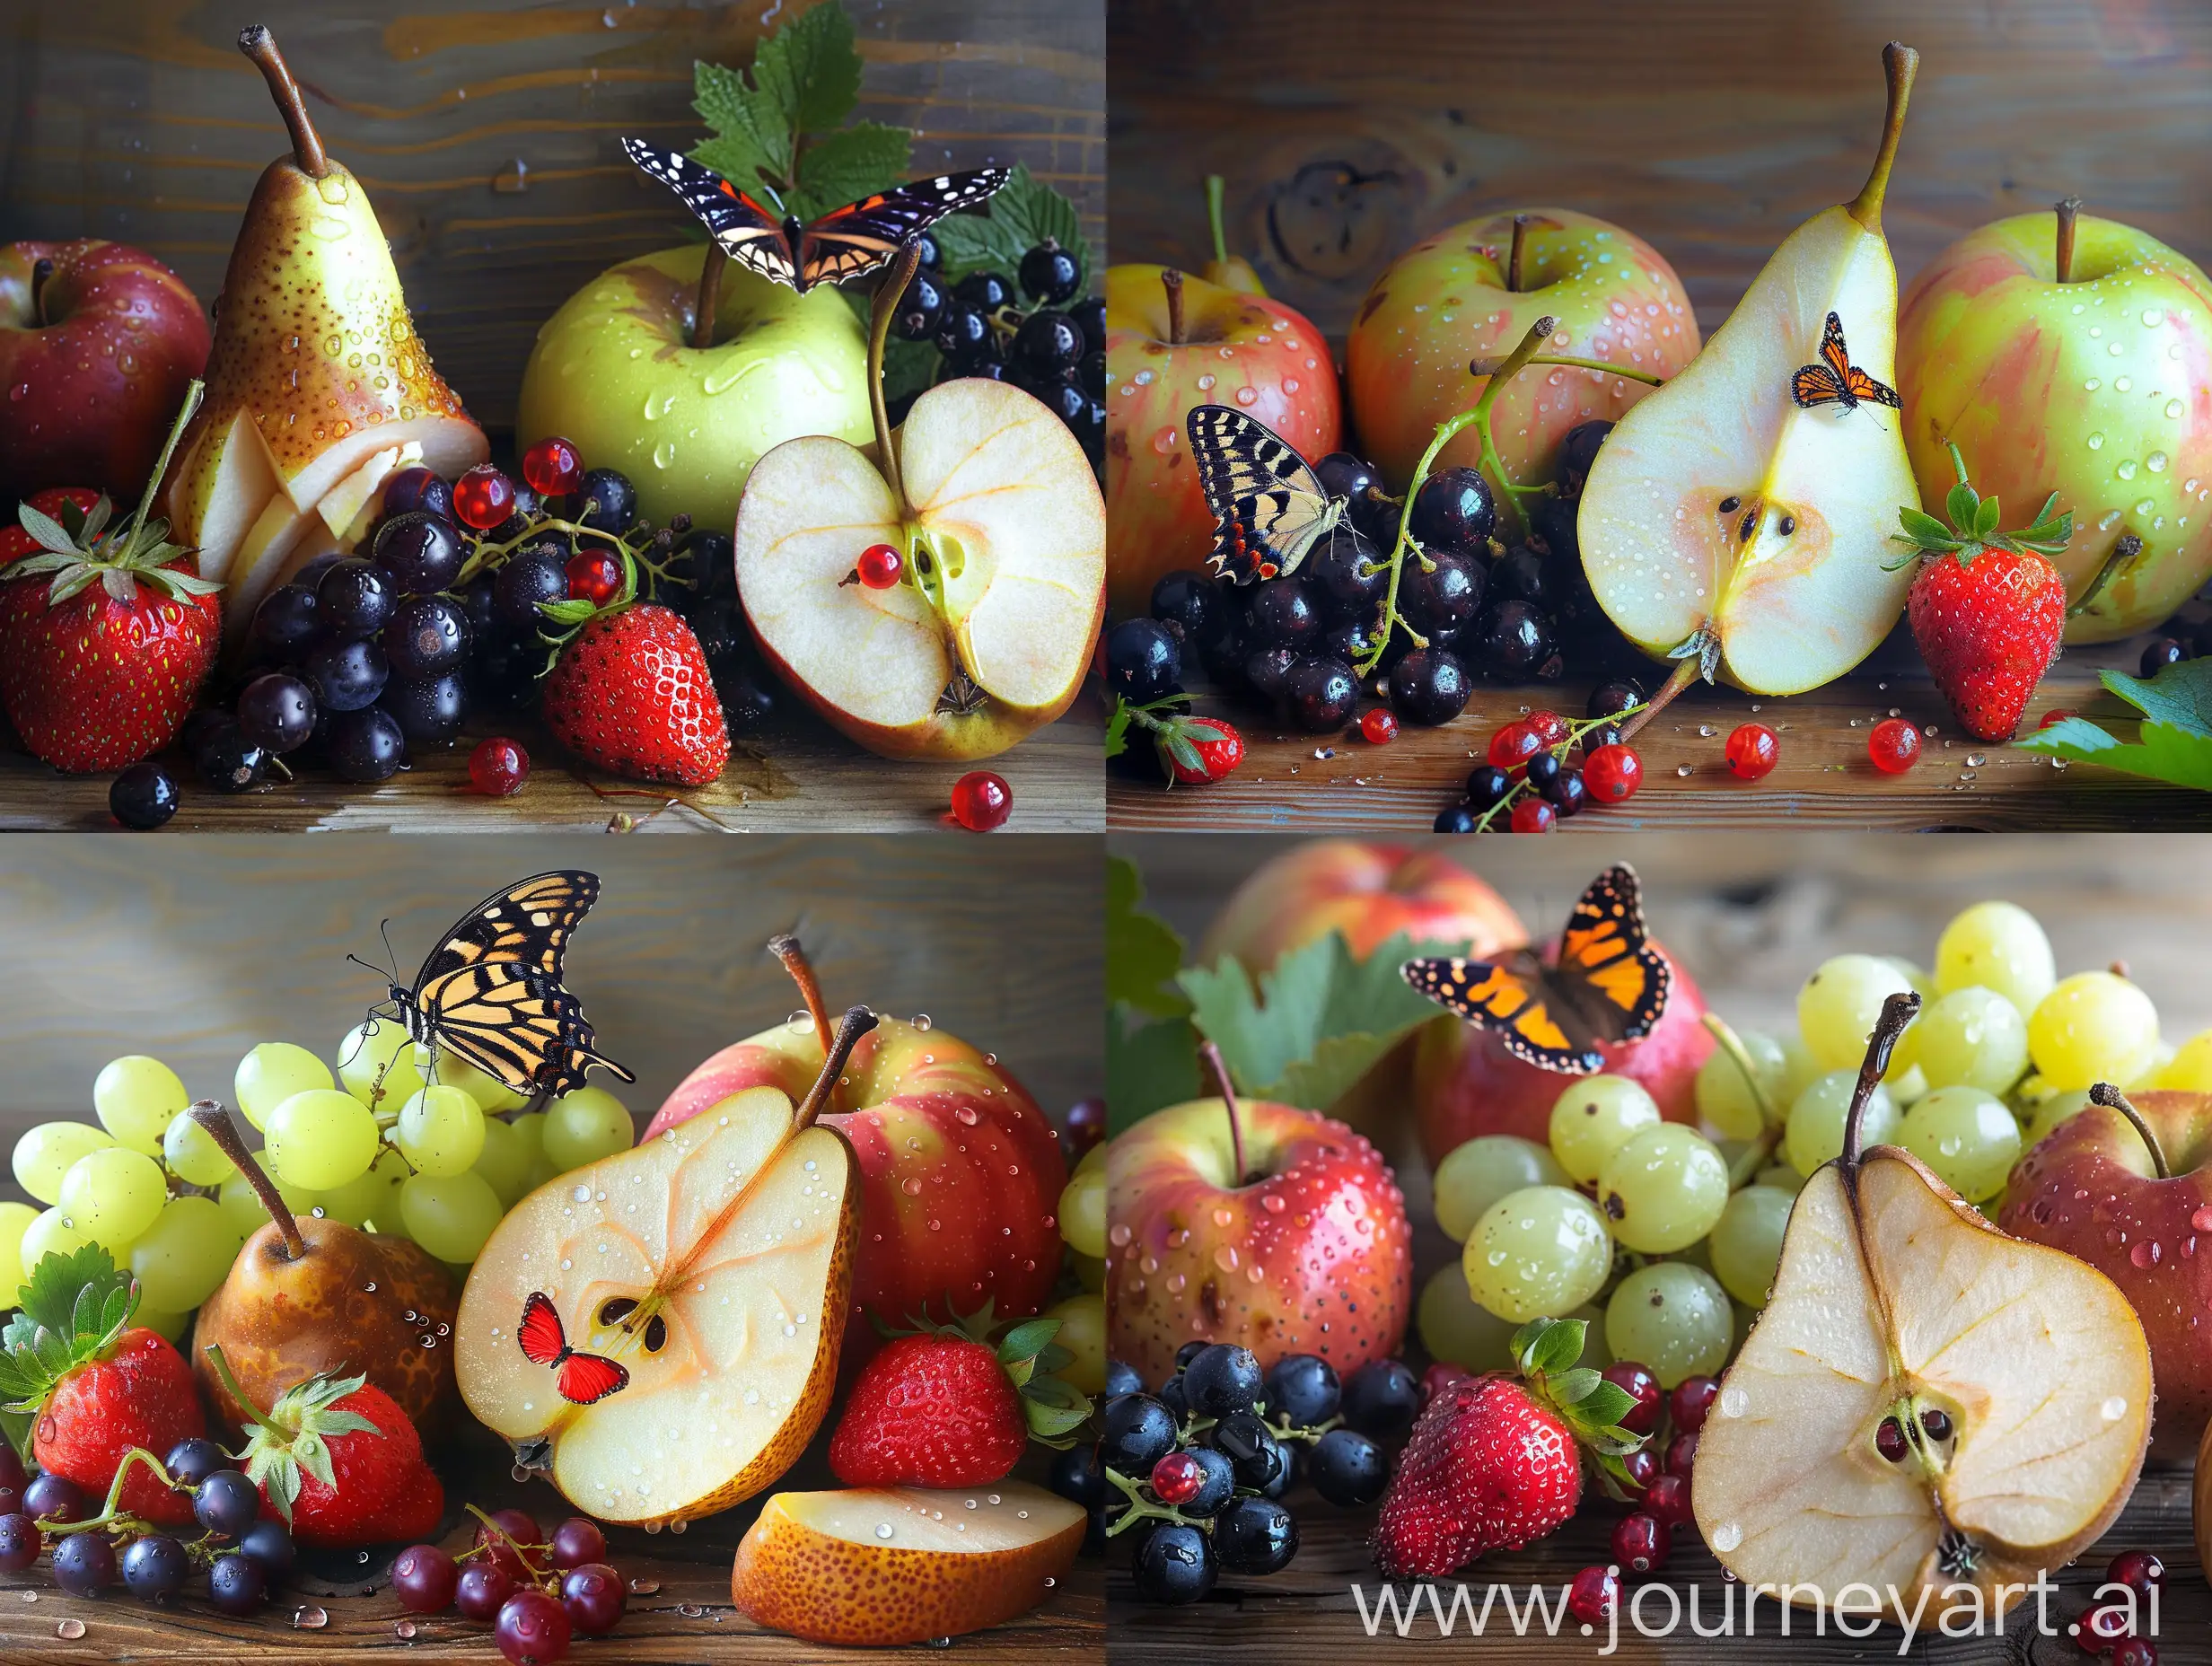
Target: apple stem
(2066, 209)
(1687, 670)
(261, 45)
(858, 1021)
(888, 295)
(1513, 254)
(710, 298)
(214, 1351)
(1215, 186)
(1172, 281)
(785, 947)
(219, 1127)
(1216, 1063)
(41, 270)
(2125, 548)
(2105, 1095)
(1626, 372)
(1898, 63)
(1897, 1011)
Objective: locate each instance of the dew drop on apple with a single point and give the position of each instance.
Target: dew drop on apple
(2157, 462)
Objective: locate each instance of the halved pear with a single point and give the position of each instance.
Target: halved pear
(1896, 1298)
(1723, 516)
(882, 1565)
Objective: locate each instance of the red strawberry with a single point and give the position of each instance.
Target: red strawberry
(1988, 607)
(942, 1408)
(96, 1388)
(1492, 1463)
(631, 693)
(1219, 747)
(15, 542)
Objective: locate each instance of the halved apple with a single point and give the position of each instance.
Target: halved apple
(879, 1566)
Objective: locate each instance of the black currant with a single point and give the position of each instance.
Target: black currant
(1382, 1398)
(1455, 819)
(962, 334)
(1347, 571)
(920, 308)
(1049, 274)
(1343, 475)
(1269, 670)
(226, 760)
(1323, 694)
(1138, 1432)
(606, 501)
(1303, 1389)
(1090, 317)
(1439, 604)
(1486, 784)
(1429, 686)
(430, 710)
(1566, 791)
(346, 675)
(367, 745)
(1610, 699)
(527, 579)
(1142, 660)
(143, 797)
(1255, 1536)
(1348, 1467)
(1514, 640)
(985, 292)
(1577, 453)
(1222, 1378)
(426, 637)
(354, 598)
(1455, 509)
(277, 712)
(1188, 598)
(1174, 1564)
(285, 623)
(1281, 611)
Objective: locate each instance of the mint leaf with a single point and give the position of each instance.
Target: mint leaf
(2180, 694)
(2175, 743)
(1142, 953)
(810, 68)
(753, 144)
(973, 242)
(1023, 215)
(844, 166)
(1148, 1067)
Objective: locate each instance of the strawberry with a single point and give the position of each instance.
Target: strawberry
(1493, 1463)
(15, 542)
(337, 1459)
(1987, 606)
(630, 692)
(1192, 750)
(95, 1384)
(941, 1407)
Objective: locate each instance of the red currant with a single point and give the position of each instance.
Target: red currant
(2056, 714)
(1177, 1477)
(1753, 752)
(594, 576)
(1682, 1455)
(1534, 815)
(552, 467)
(1642, 1468)
(981, 801)
(1642, 1388)
(2134, 1651)
(1641, 1543)
(1688, 1402)
(1613, 772)
(2103, 1624)
(2141, 1569)
(483, 497)
(1667, 1498)
(1440, 1376)
(1595, 1597)
(1894, 746)
(498, 766)
(879, 566)
(1379, 727)
(1548, 727)
(1514, 744)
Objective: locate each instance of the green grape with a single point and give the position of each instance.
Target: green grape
(1839, 1004)
(1593, 1118)
(504, 1161)
(184, 1257)
(1999, 946)
(1476, 1174)
(1082, 1213)
(448, 1214)
(15, 1219)
(1457, 1328)
(170, 1326)
(47, 1152)
(1083, 1333)
(1597, 1352)
(452, 1070)
(53, 1232)
(376, 1064)
(192, 1154)
(2189, 1070)
(2162, 1055)
(1971, 1037)
(1541, 1250)
(271, 1074)
(1782, 1177)
(2094, 1027)
(1802, 1067)
(1923, 985)
(1814, 1134)
(241, 1205)
(373, 1195)
(1747, 1241)
(2052, 1110)
(1672, 1319)
(441, 1131)
(320, 1138)
(1664, 1189)
(1907, 1085)
(1967, 1136)
(1725, 1097)
(134, 1097)
(529, 1128)
(113, 1195)
(585, 1126)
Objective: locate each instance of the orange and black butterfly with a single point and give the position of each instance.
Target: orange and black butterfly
(1836, 381)
(1608, 984)
(581, 1377)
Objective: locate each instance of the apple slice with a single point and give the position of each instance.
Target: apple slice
(712, 1266)
(879, 1566)
(1926, 1402)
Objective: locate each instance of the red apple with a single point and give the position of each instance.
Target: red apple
(1306, 1252)
(1368, 892)
(1245, 351)
(961, 1172)
(95, 354)
(1465, 1084)
(2090, 1188)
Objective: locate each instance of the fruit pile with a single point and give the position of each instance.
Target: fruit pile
(537, 1590)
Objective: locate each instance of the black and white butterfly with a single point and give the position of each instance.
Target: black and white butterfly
(1269, 507)
(845, 243)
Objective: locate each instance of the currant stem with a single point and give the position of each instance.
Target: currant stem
(214, 1351)
(108, 1512)
(1611, 369)
(785, 947)
(1211, 1055)
(216, 1122)
(1172, 281)
(858, 1021)
(2105, 1095)
(2067, 208)
(261, 45)
(710, 298)
(887, 296)
(1897, 1011)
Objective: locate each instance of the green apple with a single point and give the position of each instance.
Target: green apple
(2096, 386)
(614, 372)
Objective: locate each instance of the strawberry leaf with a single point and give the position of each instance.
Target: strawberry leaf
(49, 532)
(1054, 1408)
(1117, 728)
(1605, 1404)
(1547, 1347)
(1986, 518)
(71, 1309)
(1571, 1388)
(1026, 1340)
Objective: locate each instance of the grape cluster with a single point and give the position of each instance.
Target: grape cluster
(1051, 349)
(235, 1561)
(1540, 767)
(536, 1591)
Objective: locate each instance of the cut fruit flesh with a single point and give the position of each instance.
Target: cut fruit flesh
(287, 538)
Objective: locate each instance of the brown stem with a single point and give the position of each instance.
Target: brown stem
(2066, 211)
(2105, 1095)
(221, 1129)
(1513, 255)
(1687, 670)
(1211, 1055)
(785, 948)
(858, 1021)
(710, 298)
(261, 45)
(41, 270)
(1172, 281)
(1897, 1011)
(888, 295)
(2125, 548)
(1898, 63)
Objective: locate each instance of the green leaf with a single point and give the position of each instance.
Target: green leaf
(2162, 752)
(1142, 953)
(1924, 530)
(810, 68)
(1148, 1067)
(1573, 1386)
(1054, 1408)
(1986, 518)
(1605, 1406)
(1117, 729)
(847, 164)
(753, 142)
(2180, 694)
(47, 532)
(1027, 1340)
(1033, 211)
(974, 242)
(1556, 1349)
(1336, 1068)
(1963, 506)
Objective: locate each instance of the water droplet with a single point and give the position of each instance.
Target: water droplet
(2125, 469)
(643, 1587)
(2153, 317)
(2093, 384)
(922, 1020)
(583, 1194)
(1683, 769)
(2112, 1411)
(2096, 442)
(1247, 395)
(882, 1530)
(404, 1631)
(1733, 1401)
(2157, 462)
(689, 1610)
(310, 1618)
(1727, 1537)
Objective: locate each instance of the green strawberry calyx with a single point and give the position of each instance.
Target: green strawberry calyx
(1973, 527)
(82, 549)
(73, 1308)
(1546, 1351)
(1176, 735)
(292, 1438)
(1053, 1407)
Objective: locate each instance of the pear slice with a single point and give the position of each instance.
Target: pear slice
(1894, 1298)
(879, 1566)
(714, 1265)
(1725, 524)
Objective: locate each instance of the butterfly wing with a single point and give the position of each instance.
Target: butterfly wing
(1269, 508)
(514, 1024)
(1616, 981)
(540, 1333)
(749, 233)
(861, 236)
(1511, 1002)
(1833, 353)
(1815, 384)
(1865, 387)
(527, 925)
(585, 1378)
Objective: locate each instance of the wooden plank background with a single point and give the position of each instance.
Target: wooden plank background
(1749, 917)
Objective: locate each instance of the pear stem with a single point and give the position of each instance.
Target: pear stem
(214, 1351)
(1687, 670)
(1172, 281)
(217, 1121)
(2066, 210)
(261, 45)
(1513, 254)
(2105, 1095)
(785, 947)
(858, 1021)
(888, 295)
(710, 298)
(1215, 186)
(1219, 1067)
(1897, 1011)
(1900, 63)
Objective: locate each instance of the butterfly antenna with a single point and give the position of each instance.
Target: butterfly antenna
(384, 930)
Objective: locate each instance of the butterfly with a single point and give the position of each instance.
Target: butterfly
(491, 993)
(1609, 985)
(584, 1377)
(1836, 380)
(845, 243)
(1269, 507)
